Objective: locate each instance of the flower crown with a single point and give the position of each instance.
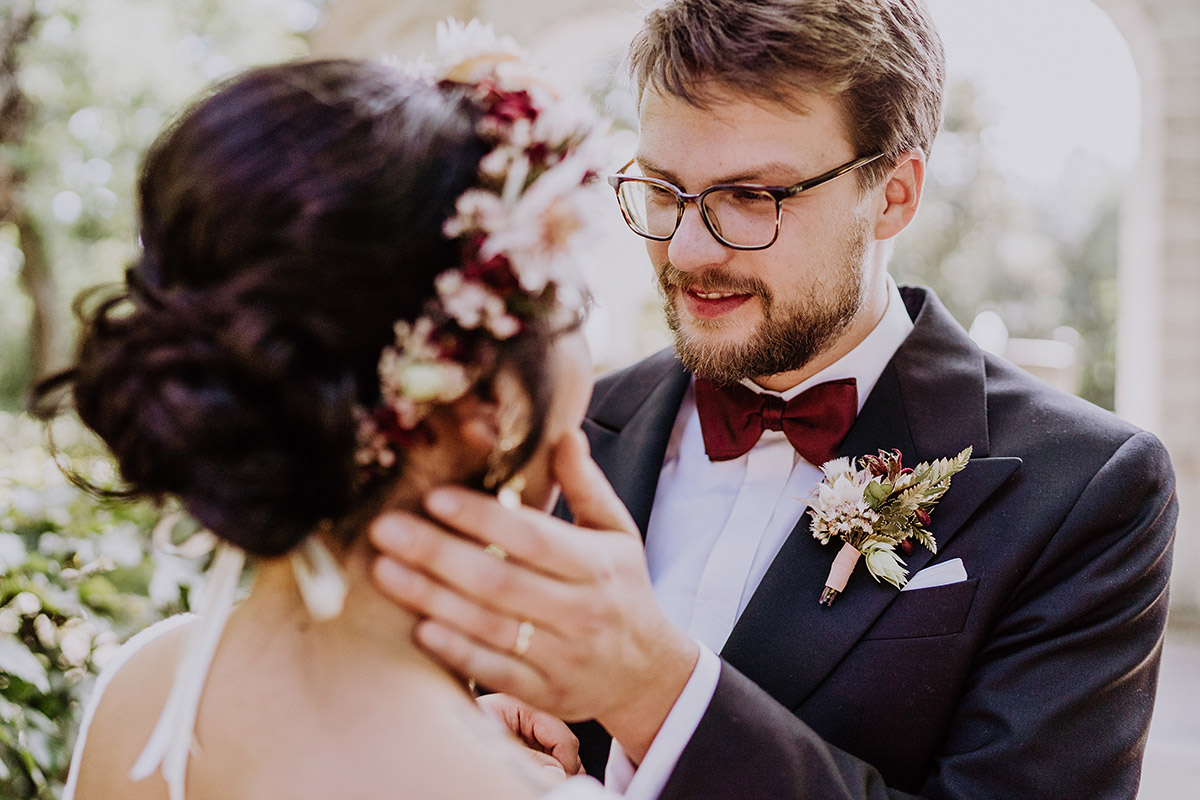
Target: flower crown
(520, 227)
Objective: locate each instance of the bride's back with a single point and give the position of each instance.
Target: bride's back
(294, 713)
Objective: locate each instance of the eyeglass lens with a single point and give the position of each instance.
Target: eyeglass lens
(742, 217)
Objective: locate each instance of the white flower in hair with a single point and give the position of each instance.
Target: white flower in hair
(559, 122)
(469, 51)
(473, 305)
(539, 233)
(476, 209)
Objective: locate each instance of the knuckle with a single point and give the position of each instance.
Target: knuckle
(425, 546)
(495, 580)
(591, 621)
(488, 626)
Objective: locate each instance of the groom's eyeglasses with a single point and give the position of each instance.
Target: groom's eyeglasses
(742, 216)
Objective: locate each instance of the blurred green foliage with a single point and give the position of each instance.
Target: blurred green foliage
(104, 76)
(76, 580)
(1043, 258)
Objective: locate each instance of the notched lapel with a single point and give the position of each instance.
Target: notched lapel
(629, 426)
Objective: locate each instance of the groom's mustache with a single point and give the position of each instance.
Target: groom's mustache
(716, 279)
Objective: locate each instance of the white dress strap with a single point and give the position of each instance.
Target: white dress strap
(126, 651)
(171, 740)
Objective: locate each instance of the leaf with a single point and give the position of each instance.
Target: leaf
(925, 538)
(941, 470)
(16, 660)
(875, 494)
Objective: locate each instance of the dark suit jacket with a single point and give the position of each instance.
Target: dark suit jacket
(1035, 678)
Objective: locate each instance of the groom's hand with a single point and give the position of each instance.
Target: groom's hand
(562, 616)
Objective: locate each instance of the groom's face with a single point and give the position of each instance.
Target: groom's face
(751, 314)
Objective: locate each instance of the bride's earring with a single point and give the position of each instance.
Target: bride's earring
(512, 428)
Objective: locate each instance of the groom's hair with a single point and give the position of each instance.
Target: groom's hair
(882, 60)
(288, 221)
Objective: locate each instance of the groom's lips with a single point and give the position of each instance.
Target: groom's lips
(710, 304)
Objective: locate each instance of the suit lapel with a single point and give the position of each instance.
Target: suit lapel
(629, 426)
(928, 403)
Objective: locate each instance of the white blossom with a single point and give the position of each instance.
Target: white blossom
(26, 603)
(883, 563)
(75, 642)
(468, 51)
(47, 634)
(12, 552)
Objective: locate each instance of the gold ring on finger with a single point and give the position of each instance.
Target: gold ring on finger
(524, 637)
(497, 551)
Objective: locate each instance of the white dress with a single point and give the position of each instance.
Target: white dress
(577, 788)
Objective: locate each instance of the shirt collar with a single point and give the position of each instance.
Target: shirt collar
(866, 362)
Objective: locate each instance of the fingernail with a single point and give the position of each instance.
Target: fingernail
(431, 635)
(441, 502)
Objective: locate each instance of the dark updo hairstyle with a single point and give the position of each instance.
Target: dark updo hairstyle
(288, 220)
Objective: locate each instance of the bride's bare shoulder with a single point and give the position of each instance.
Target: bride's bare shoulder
(132, 693)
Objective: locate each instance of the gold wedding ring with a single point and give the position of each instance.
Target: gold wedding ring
(524, 637)
(497, 551)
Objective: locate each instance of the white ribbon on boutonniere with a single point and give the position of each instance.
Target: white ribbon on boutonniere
(875, 507)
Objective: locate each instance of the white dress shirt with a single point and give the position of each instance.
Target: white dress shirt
(715, 528)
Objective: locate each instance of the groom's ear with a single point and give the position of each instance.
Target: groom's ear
(900, 195)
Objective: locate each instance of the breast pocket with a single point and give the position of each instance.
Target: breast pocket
(936, 611)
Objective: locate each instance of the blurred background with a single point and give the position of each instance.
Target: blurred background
(1061, 225)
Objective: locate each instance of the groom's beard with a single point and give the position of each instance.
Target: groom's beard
(789, 336)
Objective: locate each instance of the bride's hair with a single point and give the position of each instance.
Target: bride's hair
(288, 220)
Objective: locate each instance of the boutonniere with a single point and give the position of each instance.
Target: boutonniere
(875, 508)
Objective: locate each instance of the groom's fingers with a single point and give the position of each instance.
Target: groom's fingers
(498, 670)
(525, 534)
(544, 543)
(434, 573)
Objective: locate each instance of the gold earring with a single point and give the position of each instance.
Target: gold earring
(512, 427)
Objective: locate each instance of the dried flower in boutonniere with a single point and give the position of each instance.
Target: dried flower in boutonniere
(874, 508)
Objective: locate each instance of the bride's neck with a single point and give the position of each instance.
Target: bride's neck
(370, 627)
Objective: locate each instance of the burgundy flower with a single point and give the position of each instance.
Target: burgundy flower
(388, 422)
(922, 516)
(511, 106)
(538, 153)
(875, 465)
(496, 272)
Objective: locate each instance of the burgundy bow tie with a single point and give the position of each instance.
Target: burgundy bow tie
(732, 418)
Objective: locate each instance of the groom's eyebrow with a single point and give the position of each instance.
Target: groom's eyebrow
(755, 174)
